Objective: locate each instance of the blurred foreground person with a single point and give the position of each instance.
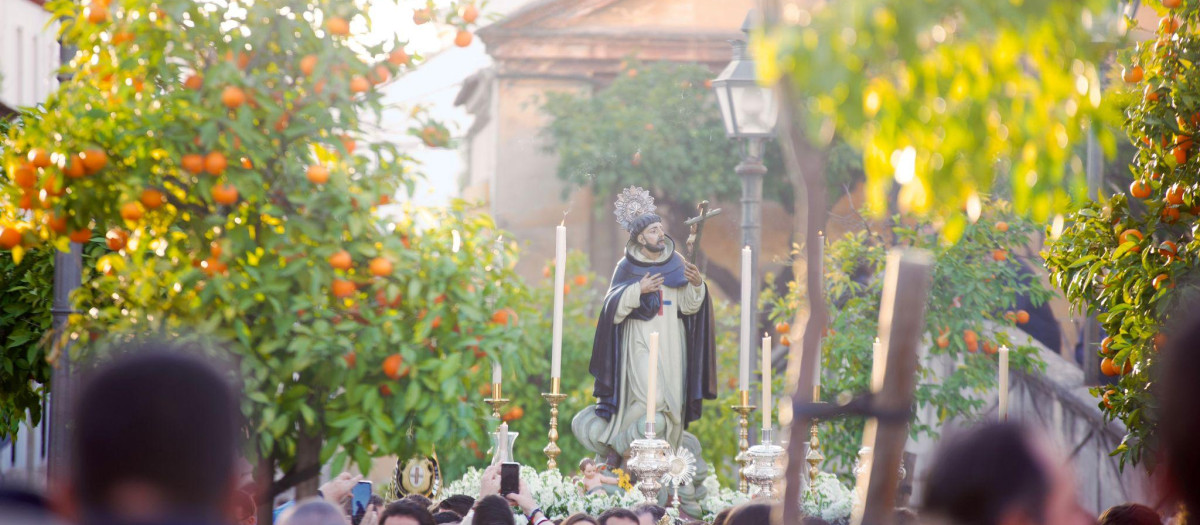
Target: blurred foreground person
(1130, 514)
(23, 507)
(750, 514)
(1000, 474)
(1178, 393)
(155, 442)
(314, 512)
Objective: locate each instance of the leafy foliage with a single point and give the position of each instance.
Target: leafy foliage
(976, 282)
(947, 96)
(1119, 256)
(215, 145)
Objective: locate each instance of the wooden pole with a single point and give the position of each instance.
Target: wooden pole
(901, 323)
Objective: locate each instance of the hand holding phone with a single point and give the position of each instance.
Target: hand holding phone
(360, 498)
(510, 478)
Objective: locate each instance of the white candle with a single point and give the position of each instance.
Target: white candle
(560, 273)
(652, 384)
(766, 381)
(1004, 383)
(502, 442)
(878, 365)
(744, 344)
(496, 372)
(817, 377)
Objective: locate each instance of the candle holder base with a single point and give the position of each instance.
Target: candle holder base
(552, 451)
(497, 403)
(765, 468)
(744, 411)
(649, 461)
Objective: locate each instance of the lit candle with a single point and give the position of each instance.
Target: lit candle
(744, 343)
(560, 271)
(496, 372)
(652, 384)
(766, 381)
(1004, 383)
(502, 442)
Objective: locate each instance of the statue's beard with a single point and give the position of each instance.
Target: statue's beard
(655, 248)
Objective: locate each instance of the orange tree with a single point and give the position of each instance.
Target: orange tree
(215, 149)
(1119, 256)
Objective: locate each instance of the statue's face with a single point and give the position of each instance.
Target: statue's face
(589, 470)
(653, 238)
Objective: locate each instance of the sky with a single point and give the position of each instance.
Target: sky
(434, 83)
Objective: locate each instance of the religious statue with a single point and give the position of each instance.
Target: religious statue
(591, 478)
(652, 290)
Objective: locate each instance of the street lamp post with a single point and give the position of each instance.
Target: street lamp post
(749, 111)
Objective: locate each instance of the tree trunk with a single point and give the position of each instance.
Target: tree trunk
(308, 459)
(264, 475)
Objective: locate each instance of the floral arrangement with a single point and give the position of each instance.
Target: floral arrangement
(828, 499)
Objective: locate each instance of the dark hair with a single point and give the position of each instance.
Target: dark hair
(980, 474)
(579, 517)
(409, 508)
(491, 510)
(722, 516)
(459, 504)
(653, 510)
(750, 514)
(447, 516)
(617, 513)
(159, 417)
(1178, 392)
(1130, 514)
(420, 500)
(316, 512)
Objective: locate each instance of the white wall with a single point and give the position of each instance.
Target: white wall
(28, 53)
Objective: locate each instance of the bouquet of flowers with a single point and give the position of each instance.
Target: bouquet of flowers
(559, 497)
(828, 499)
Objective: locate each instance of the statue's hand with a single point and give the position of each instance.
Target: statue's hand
(692, 273)
(651, 283)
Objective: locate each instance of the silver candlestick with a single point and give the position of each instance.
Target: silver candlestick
(764, 466)
(649, 461)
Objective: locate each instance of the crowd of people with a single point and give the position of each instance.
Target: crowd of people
(155, 442)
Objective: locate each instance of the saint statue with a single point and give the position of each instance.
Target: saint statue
(652, 290)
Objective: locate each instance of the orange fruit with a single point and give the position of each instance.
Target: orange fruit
(215, 163)
(233, 97)
(785, 340)
(343, 288)
(1181, 153)
(421, 16)
(637, 159)
(392, 364)
(1130, 235)
(50, 184)
(1167, 249)
(317, 174)
(469, 14)
(783, 327)
(116, 239)
(580, 280)
(501, 316)
(194, 82)
(463, 38)
(73, 167)
(349, 143)
(381, 267)
(9, 238)
(56, 224)
(152, 199)
(1108, 402)
(24, 176)
(350, 358)
(999, 255)
(970, 336)
(193, 163)
(398, 57)
(972, 346)
(225, 193)
(94, 160)
(513, 413)
(131, 211)
(1106, 346)
(1172, 4)
(1160, 340)
(308, 64)
(1128, 369)
(1001, 226)
(1107, 368)
(1022, 317)
(96, 12)
(1170, 214)
(990, 348)
(1168, 24)
(566, 289)
(380, 74)
(39, 158)
(1132, 75)
(1160, 279)
(337, 26)
(943, 341)
(1150, 94)
(341, 260)
(80, 236)
(1011, 316)
(358, 84)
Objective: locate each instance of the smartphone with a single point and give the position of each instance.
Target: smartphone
(510, 478)
(360, 498)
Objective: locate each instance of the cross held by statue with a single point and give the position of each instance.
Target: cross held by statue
(697, 227)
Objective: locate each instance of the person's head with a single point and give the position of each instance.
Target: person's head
(245, 512)
(653, 236)
(618, 517)
(1178, 394)
(722, 516)
(649, 513)
(446, 516)
(1130, 514)
(491, 510)
(405, 512)
(420, 500)
(750, 514)
(1000, 474)
(587, 466)
(459, 504)
(904, 516)
(579, 518)
(155, 435)
(315, 512)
